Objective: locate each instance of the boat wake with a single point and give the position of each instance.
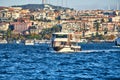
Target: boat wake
(116, 46)
(91, 51)
(100, 51)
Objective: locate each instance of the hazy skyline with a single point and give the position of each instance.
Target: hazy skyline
(76, 4)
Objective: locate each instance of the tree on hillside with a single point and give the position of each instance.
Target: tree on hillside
(9, 31)
(105, 30)
(58, 18)
(3, 33)
(56, 28)
(47, 33)
(118, 28)
(96, 26)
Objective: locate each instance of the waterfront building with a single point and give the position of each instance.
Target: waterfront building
(19, 27)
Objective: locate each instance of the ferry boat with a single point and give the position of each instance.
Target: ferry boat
(34, 42)
(65, 42)
(117, 41)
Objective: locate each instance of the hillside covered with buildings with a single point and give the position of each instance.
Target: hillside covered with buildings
(25, 23)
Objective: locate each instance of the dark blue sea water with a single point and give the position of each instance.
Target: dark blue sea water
(96, 61)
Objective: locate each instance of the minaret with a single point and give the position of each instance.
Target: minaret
(117, 5)
(43, 1)
(62, 3)
(66, 3)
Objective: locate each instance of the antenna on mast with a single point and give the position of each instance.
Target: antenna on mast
(108, 5)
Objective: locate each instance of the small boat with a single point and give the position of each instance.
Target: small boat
(117, 41)
(20, 42)
(83, 41)
(29, 42)
(3, 41)
(65, 42)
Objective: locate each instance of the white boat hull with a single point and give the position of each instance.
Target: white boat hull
(68, 49)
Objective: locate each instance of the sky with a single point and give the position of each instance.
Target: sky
(76, 4)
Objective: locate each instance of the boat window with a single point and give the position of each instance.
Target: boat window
(73, 43)
(63, 43)
(61, 36)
